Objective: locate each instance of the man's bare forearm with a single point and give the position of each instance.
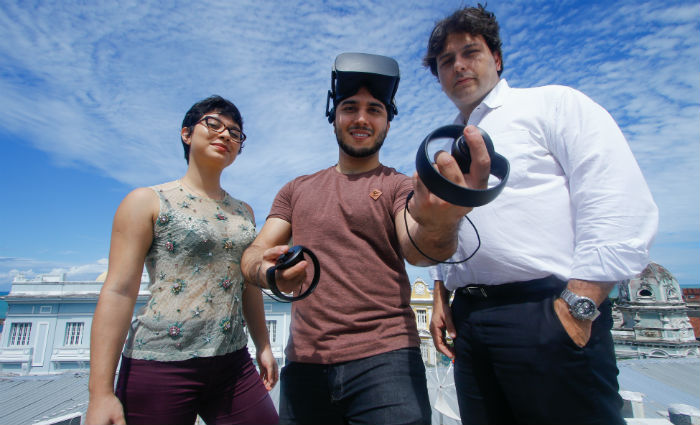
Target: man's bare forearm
(437, 241)
(441, 295)
(597, 291)
(251, 263)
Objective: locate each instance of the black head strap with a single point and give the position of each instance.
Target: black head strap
(351, 71)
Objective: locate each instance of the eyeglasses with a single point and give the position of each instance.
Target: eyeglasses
(216, 125)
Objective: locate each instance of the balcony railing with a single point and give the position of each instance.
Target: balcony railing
(72, 354)
(16, 354)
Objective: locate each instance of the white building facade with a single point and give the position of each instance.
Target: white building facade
(47, 327)
(48, 323)
(277, 316)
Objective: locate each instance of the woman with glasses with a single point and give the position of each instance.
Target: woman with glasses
(185, 353)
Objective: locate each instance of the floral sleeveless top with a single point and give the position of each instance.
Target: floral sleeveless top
(195, 278)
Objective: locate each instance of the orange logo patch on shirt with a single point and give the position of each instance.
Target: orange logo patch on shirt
(375, 194)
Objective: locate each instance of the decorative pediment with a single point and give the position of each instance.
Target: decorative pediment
(421, 290)
(653, 284)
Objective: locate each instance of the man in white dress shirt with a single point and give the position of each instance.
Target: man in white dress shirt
(531, 317)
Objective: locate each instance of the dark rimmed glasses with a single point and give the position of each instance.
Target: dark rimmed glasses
(215, 124)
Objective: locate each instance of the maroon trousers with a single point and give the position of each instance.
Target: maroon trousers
(222, 390)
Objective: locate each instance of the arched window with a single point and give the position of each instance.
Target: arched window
(645, 292)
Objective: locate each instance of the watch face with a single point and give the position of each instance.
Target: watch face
(584, 308)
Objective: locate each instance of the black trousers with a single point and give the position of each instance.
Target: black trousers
(387, 388)
(516, 364)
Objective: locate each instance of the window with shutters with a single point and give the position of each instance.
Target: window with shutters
(20, 334)
(422, 318)
(74, 333)
(272, 330)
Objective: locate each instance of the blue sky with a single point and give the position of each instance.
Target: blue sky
(92, 95)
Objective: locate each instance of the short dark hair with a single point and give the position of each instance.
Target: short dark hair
(216, 104)
(472, 20)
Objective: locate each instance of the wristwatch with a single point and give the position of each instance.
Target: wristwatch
(581, 308)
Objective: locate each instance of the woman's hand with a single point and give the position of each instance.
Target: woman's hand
(105, 410)
(268, 367)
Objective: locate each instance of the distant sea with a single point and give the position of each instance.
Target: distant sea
(3, 306)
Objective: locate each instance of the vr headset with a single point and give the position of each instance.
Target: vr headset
(351, 71)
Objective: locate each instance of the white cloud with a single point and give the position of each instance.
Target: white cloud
(106, 85)
(83, 271)
(11, 267)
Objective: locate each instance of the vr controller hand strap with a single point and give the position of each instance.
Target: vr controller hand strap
(405, 220)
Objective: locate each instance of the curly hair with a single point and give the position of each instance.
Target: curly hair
(472, 20)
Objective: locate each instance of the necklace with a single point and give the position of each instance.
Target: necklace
(223, 194)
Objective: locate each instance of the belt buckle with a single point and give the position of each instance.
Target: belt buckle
(476, 290)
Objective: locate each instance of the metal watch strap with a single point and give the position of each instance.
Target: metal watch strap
(571, 298)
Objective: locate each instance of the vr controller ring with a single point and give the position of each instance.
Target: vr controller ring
(287, 260)
(451, 192)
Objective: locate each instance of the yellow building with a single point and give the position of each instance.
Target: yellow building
(422, 305)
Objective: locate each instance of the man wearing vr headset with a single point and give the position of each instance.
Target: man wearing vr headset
(353, 354)
(530, 318)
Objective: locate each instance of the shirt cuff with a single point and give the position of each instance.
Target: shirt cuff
(610, 263)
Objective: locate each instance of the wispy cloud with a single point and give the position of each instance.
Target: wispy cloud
(11, 267)
(106, 85)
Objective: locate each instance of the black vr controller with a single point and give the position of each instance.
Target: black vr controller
(287, 260)
(451, 192)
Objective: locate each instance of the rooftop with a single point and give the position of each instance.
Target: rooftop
(47, 398)
(42, 398)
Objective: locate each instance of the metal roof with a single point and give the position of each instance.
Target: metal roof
(35, 399)
(26, 400)
(662, 382)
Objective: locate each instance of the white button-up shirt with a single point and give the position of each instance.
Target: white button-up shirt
(575, 205)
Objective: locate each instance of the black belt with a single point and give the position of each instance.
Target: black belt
(513, 289)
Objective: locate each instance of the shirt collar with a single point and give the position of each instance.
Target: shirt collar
(493, 100)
